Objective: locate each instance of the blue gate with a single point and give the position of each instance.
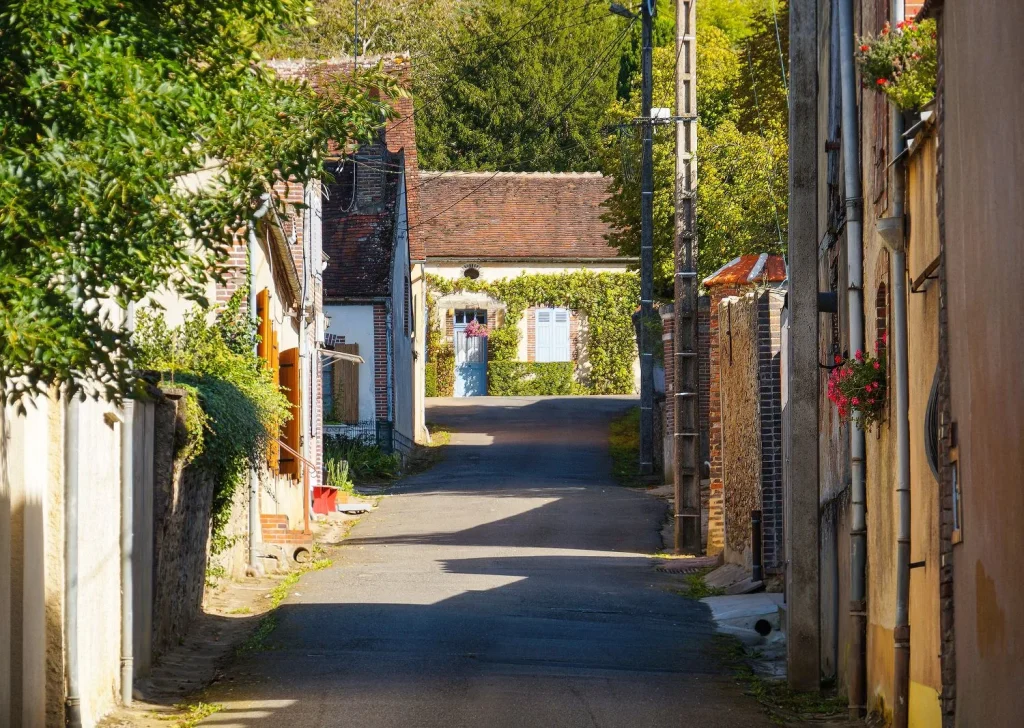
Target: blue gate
(470, 365)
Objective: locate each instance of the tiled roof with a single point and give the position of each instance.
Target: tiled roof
(360, 245)
(400, 132)
(753, 268)
(477, 215)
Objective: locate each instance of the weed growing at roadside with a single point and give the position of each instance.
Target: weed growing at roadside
(192, 714)
(783, 705)
(624, 447)
(695, 587)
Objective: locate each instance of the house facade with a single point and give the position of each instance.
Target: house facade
(920, 620)
(369, 302)
(480, 228)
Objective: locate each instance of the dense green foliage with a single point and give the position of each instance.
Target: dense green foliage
(440, 367)
(108, 108)
(232, 408)
(522, 87)
(430, 374)
(530, 378)
(607, 300)
(742, 147)
(367, 462)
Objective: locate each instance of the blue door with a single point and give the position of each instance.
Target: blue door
(470, 365)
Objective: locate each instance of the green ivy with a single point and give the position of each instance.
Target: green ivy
(232, 407)
(608, 301)
(445, 366)
(530, 378)
(430, 374)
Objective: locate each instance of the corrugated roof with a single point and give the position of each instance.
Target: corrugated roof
(748, 269)
(483, 215)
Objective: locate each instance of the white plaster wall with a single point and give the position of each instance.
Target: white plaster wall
(99, 613)
(419, 310)
(498, 270)
(402, 343)
(355, 323)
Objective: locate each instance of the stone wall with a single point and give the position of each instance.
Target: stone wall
(740, 427)
(182, 500)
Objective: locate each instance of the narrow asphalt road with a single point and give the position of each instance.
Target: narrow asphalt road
(509, 586)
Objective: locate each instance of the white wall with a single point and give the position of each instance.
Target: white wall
(355, 323)
(404, 397)
(498, 270)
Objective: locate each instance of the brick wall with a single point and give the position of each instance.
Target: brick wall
(715, 528)
(769, 349)
(234, 273)
(380, 360)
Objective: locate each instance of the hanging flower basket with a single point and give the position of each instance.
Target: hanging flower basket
(475, 329)
(902, 63)
(858, 386)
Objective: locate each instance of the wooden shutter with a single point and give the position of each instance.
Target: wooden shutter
(263, 327)
(543, 347)
(560, 335)
(346, 386)
(292, 430)
(274, 365)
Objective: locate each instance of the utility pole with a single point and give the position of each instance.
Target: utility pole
(646, 245)
(686, 438)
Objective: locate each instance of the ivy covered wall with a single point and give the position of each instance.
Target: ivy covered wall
(607, 300)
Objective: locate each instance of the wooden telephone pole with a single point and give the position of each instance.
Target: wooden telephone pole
(646, 243)
(686, 462)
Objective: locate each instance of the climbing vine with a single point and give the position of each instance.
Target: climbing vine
(232, 408)
(607, 300)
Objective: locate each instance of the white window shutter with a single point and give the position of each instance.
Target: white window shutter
(552, 335)
(560, 337)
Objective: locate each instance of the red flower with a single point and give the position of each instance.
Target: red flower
(855, 400)
(886, 29)
(838, 359)
(881, 82)
(859, 356)
(865, 48)
(877, 365)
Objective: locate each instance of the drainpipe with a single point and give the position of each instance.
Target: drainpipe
(855, 276)
(72, 700)
(127, 536)
(897, 243)
(254, 477)
(304, 374)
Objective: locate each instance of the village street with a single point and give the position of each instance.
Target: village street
(511, 585)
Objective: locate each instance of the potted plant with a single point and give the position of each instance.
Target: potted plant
(858, 386)
(476, 329)
(901, 63)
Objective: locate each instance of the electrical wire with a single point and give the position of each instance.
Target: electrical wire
(778, 44)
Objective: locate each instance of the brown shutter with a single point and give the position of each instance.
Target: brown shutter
(346, 386)
(274, 364)
(291, 432)
(263, 327)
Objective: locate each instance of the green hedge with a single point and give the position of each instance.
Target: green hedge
(530, 379)
(444, 367)
(430, 373)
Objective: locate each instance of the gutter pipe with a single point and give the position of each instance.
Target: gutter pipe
(855, 294)
(72, 699)
(127, 537)
(305, 379)
(254, 477)
(901, 632)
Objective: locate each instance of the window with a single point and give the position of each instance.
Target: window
(471, 272)
(464, 315)
(552, 335)
(407, 307)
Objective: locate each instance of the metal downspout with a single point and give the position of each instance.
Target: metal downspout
(900, 353)
(855, 282)
(72, 699)
(127, 537)
(254, 477)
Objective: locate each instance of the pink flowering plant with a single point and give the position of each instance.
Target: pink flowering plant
(901, 62)
(474, 328)
(857, 385)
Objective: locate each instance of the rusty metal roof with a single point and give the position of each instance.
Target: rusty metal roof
(749, 269)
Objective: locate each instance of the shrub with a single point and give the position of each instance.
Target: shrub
(367, 462)
(430, 375)
(444, 362)
(530, 379)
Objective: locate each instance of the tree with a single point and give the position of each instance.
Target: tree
(524, 87)
(108, 109)
(742, 152)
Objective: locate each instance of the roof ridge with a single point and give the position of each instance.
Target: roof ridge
(520, 175)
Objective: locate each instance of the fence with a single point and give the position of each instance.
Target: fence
(381, 433)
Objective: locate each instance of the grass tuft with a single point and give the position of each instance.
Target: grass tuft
(190, 714)
(695, 586)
